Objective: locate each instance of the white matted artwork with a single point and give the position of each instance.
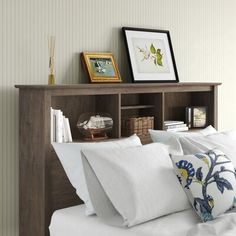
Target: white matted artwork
(150, 55)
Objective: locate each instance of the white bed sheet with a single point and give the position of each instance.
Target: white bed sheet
(72, 222)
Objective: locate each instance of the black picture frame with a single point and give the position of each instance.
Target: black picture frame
(160, 77)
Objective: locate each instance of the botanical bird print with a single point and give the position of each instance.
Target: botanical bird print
(145, 52)
(152, 53)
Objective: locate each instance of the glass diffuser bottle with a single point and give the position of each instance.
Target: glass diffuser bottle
(51, 51)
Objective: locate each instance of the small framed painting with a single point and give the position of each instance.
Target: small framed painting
(151, 55)
(197, 116)
(101, 67)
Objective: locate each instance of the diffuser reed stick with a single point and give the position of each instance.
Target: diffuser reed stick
(51, 52)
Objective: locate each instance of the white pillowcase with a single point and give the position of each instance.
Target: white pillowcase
(139, 181)
(192, 145)
(171, 139)
(70, 158)
(231, 134)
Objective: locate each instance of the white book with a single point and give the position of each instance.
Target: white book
(52, 125)
(178, 129)
(59, 126)
(68, 130)
(173, 122)
(189, 116)
(175, 126)
(65, 131)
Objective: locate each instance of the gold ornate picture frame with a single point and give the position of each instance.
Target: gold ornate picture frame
(101, 67)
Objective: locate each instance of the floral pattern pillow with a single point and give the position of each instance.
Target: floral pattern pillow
(209, 180)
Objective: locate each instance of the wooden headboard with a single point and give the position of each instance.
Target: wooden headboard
(43, 185)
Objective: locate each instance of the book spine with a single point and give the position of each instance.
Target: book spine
(189, 116)
(178, 129)
(68, 130)
(59, 124)
(65, 130)
(174, 123)
(167, 125)
(52, 125)
(175, 126)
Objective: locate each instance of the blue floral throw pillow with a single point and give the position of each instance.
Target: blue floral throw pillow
(209, 180)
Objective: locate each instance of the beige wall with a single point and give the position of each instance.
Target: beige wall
(203, 36)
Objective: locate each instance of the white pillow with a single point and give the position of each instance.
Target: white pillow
(171, 139)
(70, 158)
(208, 130)
(139, 181)
(231, 134)
(209, 180)
(192, 145)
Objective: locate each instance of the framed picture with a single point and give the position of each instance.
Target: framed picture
(101, 67)
(197, 116)
(151, 55)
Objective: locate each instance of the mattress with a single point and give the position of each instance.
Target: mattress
(72, 222)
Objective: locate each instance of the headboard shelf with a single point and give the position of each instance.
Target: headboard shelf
(43, 184)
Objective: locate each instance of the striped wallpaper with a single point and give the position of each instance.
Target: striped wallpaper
(203, 36)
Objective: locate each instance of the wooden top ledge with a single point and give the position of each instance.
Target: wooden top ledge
(115, 85)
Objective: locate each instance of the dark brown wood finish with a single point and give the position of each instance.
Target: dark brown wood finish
(194, 86)
(44, 187)
(175, 103)
(32, 164)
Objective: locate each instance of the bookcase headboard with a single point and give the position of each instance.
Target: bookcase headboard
(43, 185)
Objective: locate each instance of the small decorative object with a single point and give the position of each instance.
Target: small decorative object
(188, 112)
(51, 51)
(137, 125)
(196, 117)
(101, 67)
(95, 126)
(151, 55)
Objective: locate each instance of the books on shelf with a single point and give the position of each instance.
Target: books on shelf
(60, 127)
(175, 126)
(173, 122)
(178, 129)
(67, 130)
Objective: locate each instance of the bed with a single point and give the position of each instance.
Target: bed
(72, 221)
(68, 216)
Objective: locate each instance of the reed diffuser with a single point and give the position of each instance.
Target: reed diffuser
(51, 52)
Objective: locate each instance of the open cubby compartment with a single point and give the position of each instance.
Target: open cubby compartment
(137, 99)
(142, 104)
(74, 106)
(175, 103)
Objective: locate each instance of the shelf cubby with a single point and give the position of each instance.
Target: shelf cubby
(142, 104)
(74, 106)
(176, 102)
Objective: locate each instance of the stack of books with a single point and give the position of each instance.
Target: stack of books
(60, 127)
(175, 125)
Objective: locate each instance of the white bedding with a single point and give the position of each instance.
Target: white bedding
(72, 222)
